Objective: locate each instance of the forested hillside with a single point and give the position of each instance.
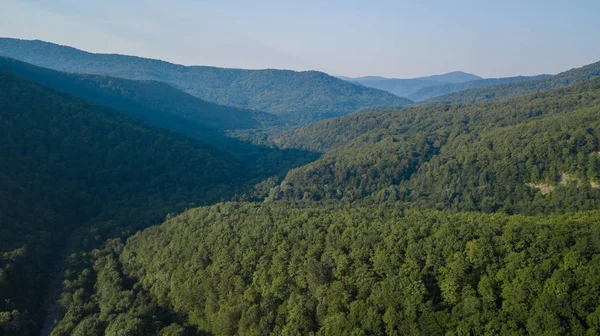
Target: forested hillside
(503, 91)
(299, 97)
(475, 213)
(248, 269)
(169, 108)
(70, 167)
(475, 157)
(449, 219)
(154, 101)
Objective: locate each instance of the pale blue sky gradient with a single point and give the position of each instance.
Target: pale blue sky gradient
(353, 38)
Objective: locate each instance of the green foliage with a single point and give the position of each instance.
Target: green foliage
(168, 108)
(483, 157)
(498, 170)
(245, 269)
(299, 97)
(379, 236)
(118, 305)
(154, 101)
(71, 167)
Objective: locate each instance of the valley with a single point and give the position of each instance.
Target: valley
(163, 199)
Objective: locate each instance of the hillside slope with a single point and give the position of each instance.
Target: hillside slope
(345, 270)
(154, 101)
(69, 167)
(437, 157)
(300, 97)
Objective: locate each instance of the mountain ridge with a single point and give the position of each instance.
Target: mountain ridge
(404, 87)
(439, 90)
(148, 99)
(69, 167)
(502, 91)
(300, 97)
(143, 98)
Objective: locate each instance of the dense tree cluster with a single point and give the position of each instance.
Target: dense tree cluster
(102, 300)
(247, 269)
(466, 157)
(68, 167)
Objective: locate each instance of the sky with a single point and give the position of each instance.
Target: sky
(390, 38)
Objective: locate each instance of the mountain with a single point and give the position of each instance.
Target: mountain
(408, 87)
(503, 91)
(363, 79)
(482, 157)
(156, 102)
(407, 224)
(451, 77)
(439, 90)
(74, 173)
(440, 219)
(300, 97)
(400, 87)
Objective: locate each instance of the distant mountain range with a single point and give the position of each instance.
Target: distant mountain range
(438, 90)
(299, 97)
(518, 88)
(407, 87)
(450, 77)
(423, 88)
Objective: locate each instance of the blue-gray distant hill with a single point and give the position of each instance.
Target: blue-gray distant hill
(497, 92)
(439, 90)
(452, 77)
(406, 87)
(300, 97)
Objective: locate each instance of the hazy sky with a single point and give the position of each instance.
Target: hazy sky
(392, 38)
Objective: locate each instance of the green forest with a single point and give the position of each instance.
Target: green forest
(136, 201)
(274, 270)
(298, 97)
(71, 168)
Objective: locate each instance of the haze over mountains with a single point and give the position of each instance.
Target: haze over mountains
(423, 88)
(300, 97)
(450, 77)
(175, 200)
